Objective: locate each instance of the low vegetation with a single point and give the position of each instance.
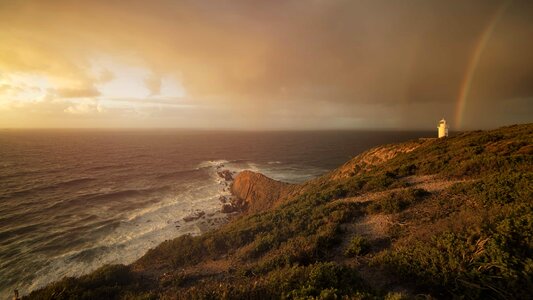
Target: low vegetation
(397, 201)
(358, 245)
(471, 240)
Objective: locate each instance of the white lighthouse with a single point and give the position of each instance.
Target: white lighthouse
(443, 128)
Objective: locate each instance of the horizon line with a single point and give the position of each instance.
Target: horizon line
(427, 129)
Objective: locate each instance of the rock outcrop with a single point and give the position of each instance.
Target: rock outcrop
(254, 192)
(365, 161)
(257, 192)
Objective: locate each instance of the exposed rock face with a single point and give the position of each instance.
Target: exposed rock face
(258, 192)
(372, 158)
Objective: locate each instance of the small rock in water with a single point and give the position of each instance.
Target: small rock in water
(226, 174)
(228, 208)
(195, 216)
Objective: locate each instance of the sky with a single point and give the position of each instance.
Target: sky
(266, 65)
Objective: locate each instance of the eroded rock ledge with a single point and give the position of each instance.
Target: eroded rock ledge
(376, 156)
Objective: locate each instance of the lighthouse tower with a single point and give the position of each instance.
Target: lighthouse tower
(443, 128)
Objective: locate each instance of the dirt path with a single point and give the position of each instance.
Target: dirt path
(427, 182)
(430, 183)
(373, 226)
(376, 226)
(375, 229)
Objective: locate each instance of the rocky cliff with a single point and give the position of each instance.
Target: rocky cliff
(255, 192)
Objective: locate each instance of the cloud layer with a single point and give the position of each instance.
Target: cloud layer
(262, 64)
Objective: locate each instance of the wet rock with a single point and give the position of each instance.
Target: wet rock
(228, 208)
(223, 199)
(194, 216)
(226, 174)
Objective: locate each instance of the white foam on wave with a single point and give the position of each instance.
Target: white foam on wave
(274, 169)
(287, 173)
(144, 228)
(212, 163)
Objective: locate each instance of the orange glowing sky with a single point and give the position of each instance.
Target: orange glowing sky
(338, 64)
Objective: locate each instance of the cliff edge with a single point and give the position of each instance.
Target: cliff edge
(374, 157)
(255, 192)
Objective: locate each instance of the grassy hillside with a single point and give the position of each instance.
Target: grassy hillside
(449, 218)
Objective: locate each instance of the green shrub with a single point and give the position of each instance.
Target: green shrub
(380, 182)
(358, 245)
(504, 188)
(396, 296)
(493, 263)
(406, 170)
(396, 202)
(328, 280)
(107, 282)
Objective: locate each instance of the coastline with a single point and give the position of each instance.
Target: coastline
(388, 211)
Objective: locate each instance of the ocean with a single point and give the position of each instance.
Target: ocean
(74, 200)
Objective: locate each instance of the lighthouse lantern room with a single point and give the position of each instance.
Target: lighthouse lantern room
(443, 128)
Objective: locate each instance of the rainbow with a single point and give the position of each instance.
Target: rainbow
(473, 64)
